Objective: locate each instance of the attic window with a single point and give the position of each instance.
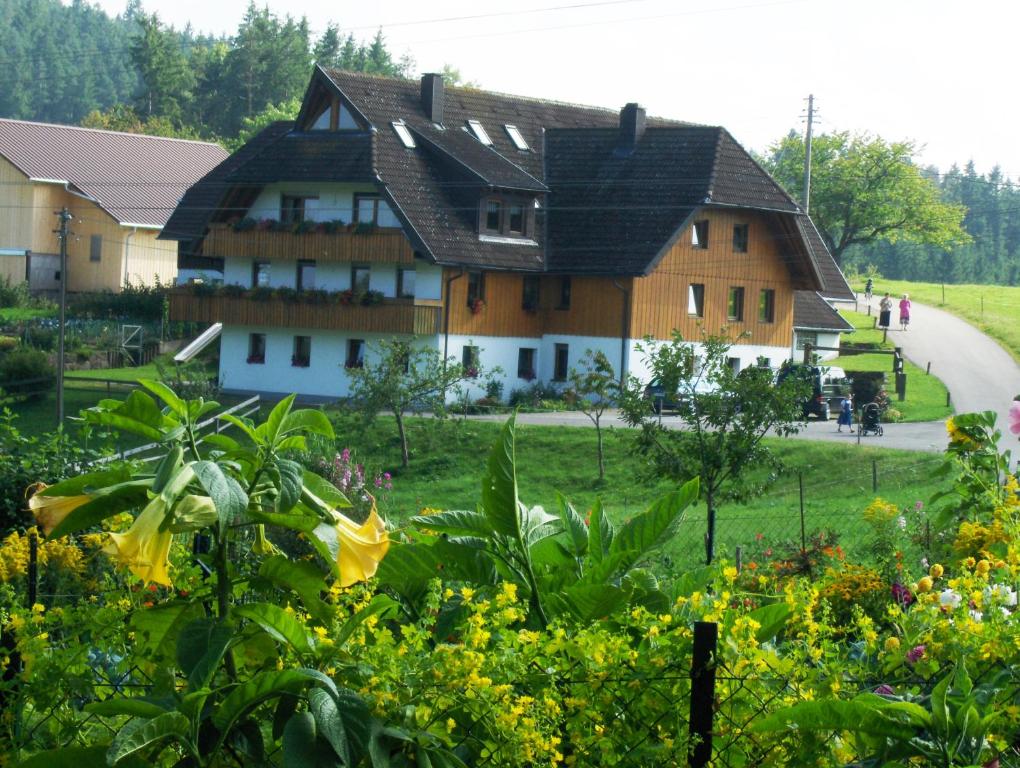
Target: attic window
(400, 127)
(516, 137)
(479, 132)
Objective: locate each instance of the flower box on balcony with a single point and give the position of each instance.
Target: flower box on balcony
(300, 362)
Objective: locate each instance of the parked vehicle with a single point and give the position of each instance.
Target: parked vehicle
(817, 404)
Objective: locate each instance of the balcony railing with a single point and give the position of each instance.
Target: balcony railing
(380, 245)
(396, 316)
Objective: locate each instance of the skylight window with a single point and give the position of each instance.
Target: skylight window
(479, 132)
(400, 127)
(516, 137)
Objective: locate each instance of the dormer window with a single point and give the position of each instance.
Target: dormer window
(333, 116)
(516, 137)
(322, 122)
(479, 132)
(400, 128)
(506, 217)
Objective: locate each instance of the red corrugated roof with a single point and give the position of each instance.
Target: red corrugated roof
(137, 179)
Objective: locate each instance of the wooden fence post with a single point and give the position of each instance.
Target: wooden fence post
(706, 636)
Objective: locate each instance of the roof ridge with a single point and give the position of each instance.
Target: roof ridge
(715, 164)
(107, 131)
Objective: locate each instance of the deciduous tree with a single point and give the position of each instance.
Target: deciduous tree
(593, 388)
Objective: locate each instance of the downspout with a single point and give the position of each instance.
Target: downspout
(624, 333)
(127, 247)
(446, 316)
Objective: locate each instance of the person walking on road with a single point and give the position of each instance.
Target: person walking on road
(904, 312)
(868, 286)
(884, 311)
(846, 413)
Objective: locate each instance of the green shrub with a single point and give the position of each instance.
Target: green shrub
(14, 294)
(7, 343)
(24, 370)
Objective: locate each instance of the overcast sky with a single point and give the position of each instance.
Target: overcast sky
(938, 72)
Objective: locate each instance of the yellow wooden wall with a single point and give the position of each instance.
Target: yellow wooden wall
(660, 300)
(16, 201)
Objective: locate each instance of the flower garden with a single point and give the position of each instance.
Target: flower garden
(225, 605)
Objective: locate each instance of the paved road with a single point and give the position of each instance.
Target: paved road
(979, 374)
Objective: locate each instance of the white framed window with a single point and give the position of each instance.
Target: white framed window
(516, 137)
(400, 128)
(479, 132)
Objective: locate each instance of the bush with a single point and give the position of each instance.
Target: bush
(866, 385)
(14, 294)
(137, 302)
(7, 343)
(41, 337)
(535, 395)
(24, 370)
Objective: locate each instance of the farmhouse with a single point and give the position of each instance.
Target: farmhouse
(502, 230)
(119, 187)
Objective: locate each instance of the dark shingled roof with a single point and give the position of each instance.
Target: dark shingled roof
(136, 178)
(834, 285)
(484, 164)
(813, 313)
(316, 156)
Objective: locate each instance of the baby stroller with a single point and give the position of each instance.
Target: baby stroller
(871, 420)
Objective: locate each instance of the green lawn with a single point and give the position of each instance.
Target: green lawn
(448, 460)
(926, 394)
(995, 309)
(17, 314)
(130, 374)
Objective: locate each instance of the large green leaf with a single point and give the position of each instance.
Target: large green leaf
(77, 757)
(592, 602)
(257, 690)
(201, 645)
(279, 624)
(300, 577)
(167, 467)
(772, 619)
(455, 522)
(156, 629)
(858, 715)
(106, 502)
(89, 482)
(229, 497)
(573, 525)
(651, 528)
(167, 395)
(134, 707)
(140, 734)
(329, 722)
(303, 747)
(320, 494)
(270, 430)
(137, 413)
(245, 425)
(499, 485)
(600, 533)
(409, 567)
(291, 482)
(307, 420)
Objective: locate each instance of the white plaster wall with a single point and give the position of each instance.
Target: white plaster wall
(428, 280)
(824, 340)
(237, 271)
(335, 201)
(495, 351)
(577, 346)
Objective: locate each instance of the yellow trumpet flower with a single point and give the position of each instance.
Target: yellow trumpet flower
(144, 549)
(50, 511)
(362, 547)
(262, 545)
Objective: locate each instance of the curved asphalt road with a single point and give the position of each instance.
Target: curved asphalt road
(980, 376)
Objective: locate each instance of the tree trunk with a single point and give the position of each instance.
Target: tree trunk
(404, 457)
(602, 464)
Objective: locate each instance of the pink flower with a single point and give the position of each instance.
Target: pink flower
(1014, 417)
(885, 690)
(914, 654)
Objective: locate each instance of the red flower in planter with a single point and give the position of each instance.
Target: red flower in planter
(477, 305)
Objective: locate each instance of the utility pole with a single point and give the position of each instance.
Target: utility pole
(807, 151)
(62, 234)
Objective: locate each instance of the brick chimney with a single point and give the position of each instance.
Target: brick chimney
(632, 126)
(432, 96)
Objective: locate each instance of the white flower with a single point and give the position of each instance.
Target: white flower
(950, 598)
(924, 563)
(1001, 593)
(901, 521)
(976, 615)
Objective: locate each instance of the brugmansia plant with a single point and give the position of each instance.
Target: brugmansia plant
(228, 660)
(566, 566)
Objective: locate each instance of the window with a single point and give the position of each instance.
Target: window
(526, 363)
(562, 367)
(734, 364)
(405, 283)
(302, 356)
(807, 337)
(516, 137)
(305, 275)
(95, 247)
(322, 122)
(740, 238)
(256, 348)
(516, 224)
(400, 128)
(469, 359)
(355, 353)
(767, 305)
(735, 307)
(293, 208)
(696, 300)
(361, 278)
(493, 215)
(699, 234)
(530, 294)
(260, 274)
(345, 121)
(564, 293)
(372, 209)
(479, 132)
(476, 290)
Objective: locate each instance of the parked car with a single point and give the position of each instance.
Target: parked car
(817, 404)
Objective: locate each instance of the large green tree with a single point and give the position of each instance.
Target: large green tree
(864, 190)
(167, 80)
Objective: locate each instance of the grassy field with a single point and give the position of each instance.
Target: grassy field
(995, 309)
(926, 394)
(448, 460)
(16, 314)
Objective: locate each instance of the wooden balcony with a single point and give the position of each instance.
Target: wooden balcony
(384, 245)
(395, 316)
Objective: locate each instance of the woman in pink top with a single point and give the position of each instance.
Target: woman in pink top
(904, 312)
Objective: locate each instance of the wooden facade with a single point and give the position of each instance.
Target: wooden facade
(382, 246)
(124, 253)
(396, 316)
